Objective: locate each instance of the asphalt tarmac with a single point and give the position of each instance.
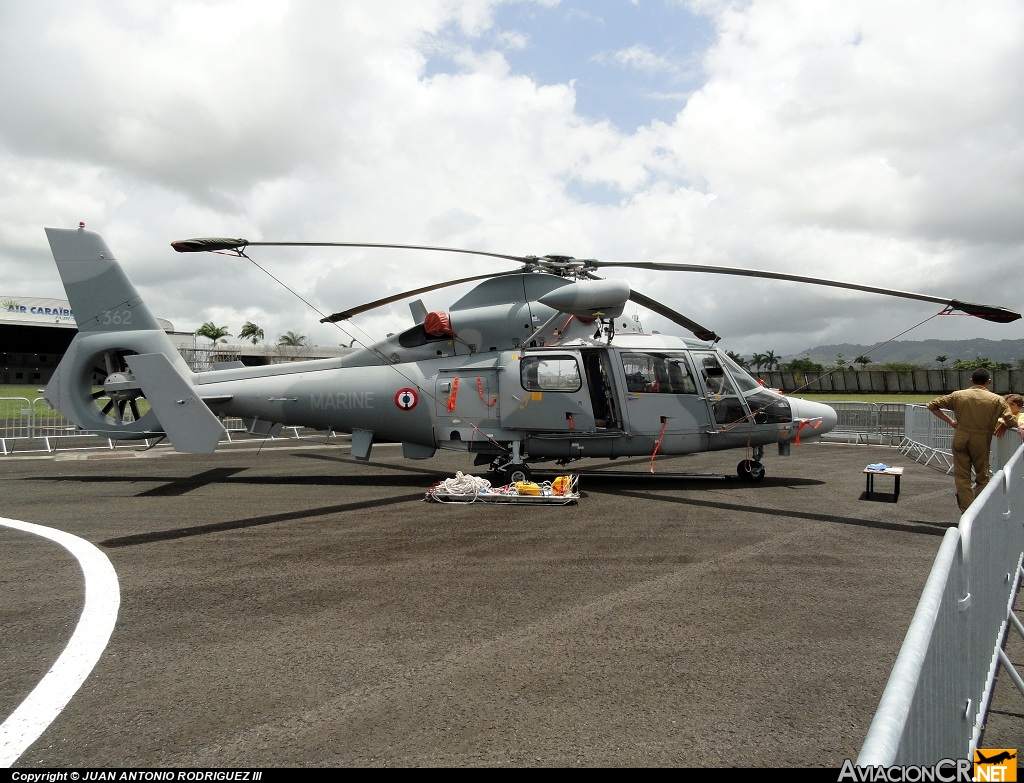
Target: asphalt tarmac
(286, 605)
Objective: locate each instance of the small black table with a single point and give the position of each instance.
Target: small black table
(890, 471)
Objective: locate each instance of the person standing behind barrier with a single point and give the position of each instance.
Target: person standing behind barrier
(1016, 402)
(980, 414)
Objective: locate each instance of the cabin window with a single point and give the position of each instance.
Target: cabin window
(657, 373)
(550, 373)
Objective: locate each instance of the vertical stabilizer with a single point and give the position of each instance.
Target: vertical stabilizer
(102, 297)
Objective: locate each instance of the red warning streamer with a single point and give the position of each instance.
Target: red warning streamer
(480, 389)
(454, 394)
(815, 423)
(664, 424)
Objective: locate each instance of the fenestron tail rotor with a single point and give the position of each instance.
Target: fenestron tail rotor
(119, 392)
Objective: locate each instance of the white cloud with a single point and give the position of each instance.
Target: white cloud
(873, 142)
(642, 58)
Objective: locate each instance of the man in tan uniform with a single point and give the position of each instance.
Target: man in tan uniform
(979, 415)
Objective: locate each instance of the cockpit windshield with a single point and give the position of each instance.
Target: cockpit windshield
(766, 406)
(744, 382)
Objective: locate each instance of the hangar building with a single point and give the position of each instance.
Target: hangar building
(35, 333)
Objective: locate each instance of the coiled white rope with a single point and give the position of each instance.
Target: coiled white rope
(463, 484)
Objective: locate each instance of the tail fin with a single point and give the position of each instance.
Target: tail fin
(102, 297)
(121, 348)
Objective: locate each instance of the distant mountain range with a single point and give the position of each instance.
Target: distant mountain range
(920, 352)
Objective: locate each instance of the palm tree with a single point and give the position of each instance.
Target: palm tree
(213, 332)
(757, 360)
(251, 331)
(942, 359)
(292, 339)
(771, 361)
(863, 360)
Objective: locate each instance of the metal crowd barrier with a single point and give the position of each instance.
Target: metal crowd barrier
(926, 438)
(937, 697)
(868, 422)
(14, 426)
(35, 426)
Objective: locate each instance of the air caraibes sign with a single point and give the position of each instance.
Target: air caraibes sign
(41, 311)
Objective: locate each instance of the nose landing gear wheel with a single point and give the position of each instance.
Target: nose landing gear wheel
(750, 470)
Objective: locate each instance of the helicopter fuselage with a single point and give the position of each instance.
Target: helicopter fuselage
(586, 398)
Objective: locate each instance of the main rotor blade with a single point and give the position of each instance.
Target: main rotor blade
(701, 332)
(987, 312)
(346, 314)
(204, 244)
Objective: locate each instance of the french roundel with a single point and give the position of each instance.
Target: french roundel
(406, 399)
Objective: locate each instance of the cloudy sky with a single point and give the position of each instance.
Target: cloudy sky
(873, 142)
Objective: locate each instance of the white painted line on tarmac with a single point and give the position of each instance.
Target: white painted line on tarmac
(54, 691)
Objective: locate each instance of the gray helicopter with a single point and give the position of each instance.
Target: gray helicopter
(532, 365)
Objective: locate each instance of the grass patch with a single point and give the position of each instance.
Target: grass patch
(909, 399)
(14, 408)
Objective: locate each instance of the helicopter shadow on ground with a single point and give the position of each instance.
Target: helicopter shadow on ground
(170, 486)
(268, 519)
(922, 528)
(681, 481)
(174, 486)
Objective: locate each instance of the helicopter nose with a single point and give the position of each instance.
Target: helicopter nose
(812, 411)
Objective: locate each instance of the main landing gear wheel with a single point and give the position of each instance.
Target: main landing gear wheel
(512, 473)
(750, 470)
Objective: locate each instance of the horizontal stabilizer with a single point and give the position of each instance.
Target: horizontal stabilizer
(190, 425)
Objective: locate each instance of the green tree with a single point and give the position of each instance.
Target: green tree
(292, 339)
(897, 367)
(942, 359)
(251, 331)
(213, 332)
(803, 364)
(757, 360)
(840, 363)
(980, 361)
(771, 361)
(863, 360)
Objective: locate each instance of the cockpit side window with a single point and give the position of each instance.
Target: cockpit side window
(721, 390)
(716, 380)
